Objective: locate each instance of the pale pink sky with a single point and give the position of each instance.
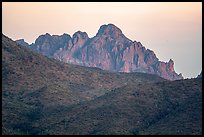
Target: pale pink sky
(171, 30)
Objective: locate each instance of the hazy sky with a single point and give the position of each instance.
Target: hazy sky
(171, 30)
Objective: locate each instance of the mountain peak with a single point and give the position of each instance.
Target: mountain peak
(47, 34)
(109, 29)
(22, 42)
(43, 37)
(171, 65)
(65, 35)
(171, 62)
(80, 34)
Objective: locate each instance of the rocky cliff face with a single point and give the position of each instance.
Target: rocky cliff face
(108, 50)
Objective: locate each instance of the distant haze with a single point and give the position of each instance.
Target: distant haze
(171, 30)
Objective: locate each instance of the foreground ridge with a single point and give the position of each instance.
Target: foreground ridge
(43, 96)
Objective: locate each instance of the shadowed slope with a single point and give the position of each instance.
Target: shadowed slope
(45, 96)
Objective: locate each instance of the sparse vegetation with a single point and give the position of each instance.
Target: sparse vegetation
(44, 96)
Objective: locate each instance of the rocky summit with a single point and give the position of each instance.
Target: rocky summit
(108, 50)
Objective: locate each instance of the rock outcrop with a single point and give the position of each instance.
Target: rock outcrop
(108, 50)
(22, 42)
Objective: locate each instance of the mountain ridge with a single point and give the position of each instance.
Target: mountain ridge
(43, 96)
(109, 49)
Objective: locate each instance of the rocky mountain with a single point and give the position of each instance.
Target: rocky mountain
(108, 50)
(22, 42)
(43, 96)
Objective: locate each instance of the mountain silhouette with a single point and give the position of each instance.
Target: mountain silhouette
(108, 50)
